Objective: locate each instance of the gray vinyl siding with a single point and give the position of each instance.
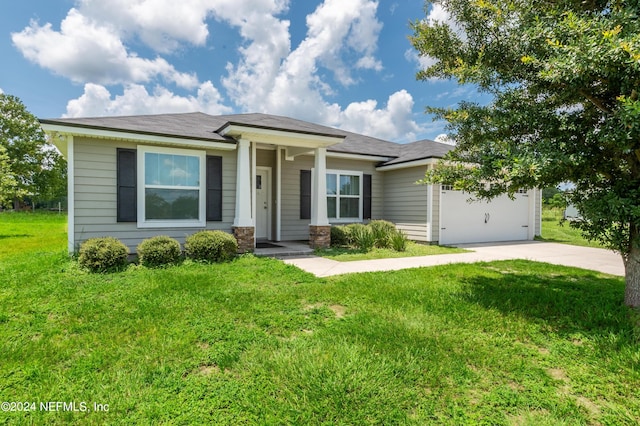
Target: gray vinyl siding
(266, 158)
(406, 203)
(96, 201)
(294, 228)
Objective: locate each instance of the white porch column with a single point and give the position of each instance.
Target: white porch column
(243, 216)
(253, 184)
(319, 189)
(278, 193)
(71, 195)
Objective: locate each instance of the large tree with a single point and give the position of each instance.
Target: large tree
(35, 167)
(564, 78)
(7, 180)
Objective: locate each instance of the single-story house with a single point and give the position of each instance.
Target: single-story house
(263, 177)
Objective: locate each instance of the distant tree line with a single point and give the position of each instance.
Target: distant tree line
(554, 198)
(32, 171)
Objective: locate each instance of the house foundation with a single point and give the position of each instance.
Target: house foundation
(319, 236)
(245, 237)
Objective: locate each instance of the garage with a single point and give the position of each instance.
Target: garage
(501, 219)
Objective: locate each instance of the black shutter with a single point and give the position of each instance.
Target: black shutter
(127, 179)
(366, 196)
(305, 194)
(214, 188)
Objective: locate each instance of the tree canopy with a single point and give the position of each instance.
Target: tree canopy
(7, 181)
(32, 166)
(564, 76)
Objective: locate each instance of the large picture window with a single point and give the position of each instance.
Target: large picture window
(344, 195)
(171, 185)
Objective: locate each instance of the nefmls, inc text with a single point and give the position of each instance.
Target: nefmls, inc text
(72, 406)
(75, 406)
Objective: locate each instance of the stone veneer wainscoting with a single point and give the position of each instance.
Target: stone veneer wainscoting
(319, 236)
(244, 235)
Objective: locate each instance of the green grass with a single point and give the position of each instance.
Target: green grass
(413, 249)
(256, 341)
(555, 231)
(28, 232)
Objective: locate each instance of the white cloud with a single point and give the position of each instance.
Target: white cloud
(270, 71)
(422, 61)
(445, 138)
(273, 79)
(165, 24)
(391, 122)
(460, 92)
(249, 82)
(337, 27)
(86, 50)
(439, 15)
(160, 24)
(93, 47)
(97, 101)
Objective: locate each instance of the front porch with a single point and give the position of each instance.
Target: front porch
(271, 166)
(283, 249)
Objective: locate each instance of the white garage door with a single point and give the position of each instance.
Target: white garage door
(502, 219)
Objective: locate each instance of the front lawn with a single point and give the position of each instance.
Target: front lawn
(554, 230)
(22, 232)
(256, 341)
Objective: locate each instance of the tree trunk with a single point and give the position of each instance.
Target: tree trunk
(632, 278)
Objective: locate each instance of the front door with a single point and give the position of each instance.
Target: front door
(263, 203)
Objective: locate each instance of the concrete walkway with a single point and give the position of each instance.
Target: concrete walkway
(559, 254)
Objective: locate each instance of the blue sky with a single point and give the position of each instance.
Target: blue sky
(342, 63)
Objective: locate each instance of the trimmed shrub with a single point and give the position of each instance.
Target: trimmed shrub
(361, 237)
(158, 251)
(382, 231)
(398, 240)
(211, 246)
(339, 236)
(103, 254)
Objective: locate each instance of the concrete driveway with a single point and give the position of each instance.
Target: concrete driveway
(559, 254)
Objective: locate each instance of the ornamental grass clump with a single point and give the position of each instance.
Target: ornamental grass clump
(379, 234)
(398, 240)
(382, 231)
(103, 254)
(211, 246)
(158, 251)
(361, 237)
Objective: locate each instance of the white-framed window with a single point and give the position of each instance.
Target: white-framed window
(171, 187)
(344, 195)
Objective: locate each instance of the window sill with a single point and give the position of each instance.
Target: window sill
(345, 221)
(172, 224)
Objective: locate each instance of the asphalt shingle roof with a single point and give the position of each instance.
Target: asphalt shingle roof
(195, 125)
(202, 126)
(420, 150)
